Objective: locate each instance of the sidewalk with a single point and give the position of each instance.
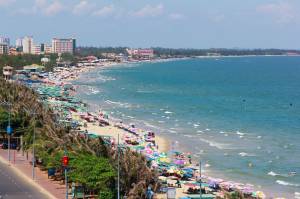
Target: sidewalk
(53, 188)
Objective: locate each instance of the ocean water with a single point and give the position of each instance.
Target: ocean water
(240, 115)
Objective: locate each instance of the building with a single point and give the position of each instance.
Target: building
(47, 49)
(5, 40)
(19, 42)
(141, 53)
(27, 43)
(14, 51)
(36, 49)
(33, 68)
(7, 72)
(63, 45)
(4, 49)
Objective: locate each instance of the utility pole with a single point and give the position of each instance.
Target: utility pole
(8, 129)
(33, 114)
(200, 173)
(118, 168)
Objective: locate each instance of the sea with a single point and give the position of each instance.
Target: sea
(239, 116)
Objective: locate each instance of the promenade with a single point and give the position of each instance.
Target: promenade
(21, 169)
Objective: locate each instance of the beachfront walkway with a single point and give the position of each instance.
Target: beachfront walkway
(41, 182)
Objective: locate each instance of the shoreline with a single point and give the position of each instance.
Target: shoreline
(163, 142)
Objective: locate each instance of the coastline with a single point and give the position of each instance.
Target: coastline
(163, 142)
(111, 130)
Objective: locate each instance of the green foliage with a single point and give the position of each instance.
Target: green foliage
(106, 195)
(93, 172)
(86, 51)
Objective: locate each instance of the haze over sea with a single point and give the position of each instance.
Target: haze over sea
(241, 115)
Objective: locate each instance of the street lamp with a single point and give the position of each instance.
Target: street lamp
(200, 174)
(118, 168)
(33, 113)
(8, 129)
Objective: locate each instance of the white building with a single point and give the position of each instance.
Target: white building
(4, 40)
(27, 43)
(63, 45)
(19, 42)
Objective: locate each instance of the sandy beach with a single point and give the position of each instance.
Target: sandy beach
(111, 130)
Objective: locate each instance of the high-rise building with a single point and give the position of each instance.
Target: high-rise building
(19, 42)
(4, 49)
(63, 45)
(48, 49)
(36, 49)
(27, 43)
(4, 40)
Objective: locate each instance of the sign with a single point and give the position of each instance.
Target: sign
(65, 161)
(9, 130)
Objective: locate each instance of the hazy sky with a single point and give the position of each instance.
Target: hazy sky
(165, 23)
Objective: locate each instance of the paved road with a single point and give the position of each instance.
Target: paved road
(14, 187)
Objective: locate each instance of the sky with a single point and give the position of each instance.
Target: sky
(156, 23)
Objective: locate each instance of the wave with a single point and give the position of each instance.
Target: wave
(217, 145)
(240, 133)
(144, 91)
(103, 78)
(272, 173)
(161, 121)
(125, 105)
(244, 154)
(168, 112)
(93, 90)
(172, 131)
(281, 182)
(189, 136)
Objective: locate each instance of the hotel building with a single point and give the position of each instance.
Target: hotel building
(27, 43)
(63, 45)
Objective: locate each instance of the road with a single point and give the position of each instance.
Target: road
(13, 186)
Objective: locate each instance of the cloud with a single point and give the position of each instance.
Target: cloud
(105, 11)
(43, 7)
(176, 16)
(82, 7)
(53, 8)
(150, 11)
(283, 12)
(6, 2)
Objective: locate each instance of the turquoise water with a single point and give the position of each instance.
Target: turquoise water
(240, 115)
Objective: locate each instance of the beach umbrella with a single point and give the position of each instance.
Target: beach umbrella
(179, 162)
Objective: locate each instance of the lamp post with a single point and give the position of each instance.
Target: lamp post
(200, 173)
(33, 113)
(118, 168)
(8, 129)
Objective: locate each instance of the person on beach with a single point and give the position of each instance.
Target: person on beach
(178, 183)
(149, 193)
